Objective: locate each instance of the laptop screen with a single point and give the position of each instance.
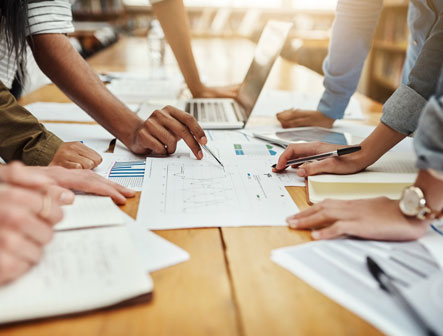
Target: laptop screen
(267, 51)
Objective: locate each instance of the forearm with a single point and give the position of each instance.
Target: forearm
(381, 140)
(67, 69)
(351, 39)
(173, 19)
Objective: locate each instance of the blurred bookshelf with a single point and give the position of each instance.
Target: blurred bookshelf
(98, 10)
(388, 51)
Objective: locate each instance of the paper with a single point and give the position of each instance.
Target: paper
(433, 241)
(272, 102)
(93, 136)
(179, 192)
(155, 252)
(338, 269)
(81, 270)
(62, 112)
(90, 211)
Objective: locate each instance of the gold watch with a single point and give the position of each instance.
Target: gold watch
(413, 204)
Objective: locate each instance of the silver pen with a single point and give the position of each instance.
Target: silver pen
(212, 154)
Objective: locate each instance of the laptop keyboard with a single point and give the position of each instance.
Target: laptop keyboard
(208, 112)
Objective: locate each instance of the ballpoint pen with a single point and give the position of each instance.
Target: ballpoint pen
(388, 285)
(212, 154)
(338, 152)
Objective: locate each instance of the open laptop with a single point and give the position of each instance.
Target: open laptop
(225, 113)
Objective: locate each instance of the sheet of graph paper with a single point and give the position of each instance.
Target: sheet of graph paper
(181, 192)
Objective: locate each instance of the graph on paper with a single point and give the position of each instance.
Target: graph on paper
(128, 174)
(189, 193)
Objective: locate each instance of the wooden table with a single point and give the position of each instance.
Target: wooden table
(229, 286)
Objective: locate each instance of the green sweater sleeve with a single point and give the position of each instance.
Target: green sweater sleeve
(22, 137)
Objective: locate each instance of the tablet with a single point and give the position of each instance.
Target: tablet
(309, 134)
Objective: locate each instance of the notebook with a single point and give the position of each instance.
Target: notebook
(387, 177)
(85, 267)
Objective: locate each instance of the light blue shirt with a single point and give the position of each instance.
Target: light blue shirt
(352, 34)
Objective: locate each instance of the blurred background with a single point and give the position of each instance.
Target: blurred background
(99, 23)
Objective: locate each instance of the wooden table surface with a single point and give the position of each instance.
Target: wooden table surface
(229, 286)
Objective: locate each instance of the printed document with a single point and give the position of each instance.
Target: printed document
(337, 268)
(180, 192)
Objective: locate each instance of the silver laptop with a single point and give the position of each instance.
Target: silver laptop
(234, 113)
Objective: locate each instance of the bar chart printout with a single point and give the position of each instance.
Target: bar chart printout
(183, 193)
(129, 174)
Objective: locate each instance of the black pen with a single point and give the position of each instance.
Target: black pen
(386, 283)
(212, 154)
(338, 152)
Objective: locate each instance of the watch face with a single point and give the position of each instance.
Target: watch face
(411, 202)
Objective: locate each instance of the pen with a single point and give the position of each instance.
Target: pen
(338, 152)
(387, 284)
(212, 154)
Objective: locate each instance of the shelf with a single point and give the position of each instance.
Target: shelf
(391, 46)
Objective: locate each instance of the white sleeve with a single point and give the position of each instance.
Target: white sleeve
(50, 17)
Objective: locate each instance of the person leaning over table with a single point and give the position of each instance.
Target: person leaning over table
(382, 218)
(30, 205)
(43, 25)
(399, 119)
(352, 34)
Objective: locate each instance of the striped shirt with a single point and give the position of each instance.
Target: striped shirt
(45, 17)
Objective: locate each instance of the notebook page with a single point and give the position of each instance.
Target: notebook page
(81, 270)
(390, 168)
(90, 211)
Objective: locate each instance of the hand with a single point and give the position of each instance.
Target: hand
(75, 155)
(347, 164)
(300, 118)
(230, 91)
(376, 218)
(160, 133)
(26, 225)
(86, 181)
(16, 174)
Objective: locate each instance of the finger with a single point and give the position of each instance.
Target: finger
(88, 153)
(17, 245)
(317, 167)
(338, 229)
(83, 161)
(164, 136)
(286, 115)
(25, 200)
(183, 132)
(308, 212)
(16, 173)
(314, 220)
(190, 122)
(294, 151)
(11, 267)
(60, 194)
(150, 142)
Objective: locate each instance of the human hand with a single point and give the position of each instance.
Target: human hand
(347, 164)
(75, 155)
(376, 218)
(27, 218)
(160, 133)
(34, 178)
(230, 91)
(86, 181)
(300, 118)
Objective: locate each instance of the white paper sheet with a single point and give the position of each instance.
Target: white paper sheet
(271, 102)
(62, 112)
(433, 241)
(90, 211)
(80, 270)
(155, 252)
(179, 192)
(93, 136)
(338, 269)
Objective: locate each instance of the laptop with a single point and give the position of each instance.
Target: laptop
(225, 113)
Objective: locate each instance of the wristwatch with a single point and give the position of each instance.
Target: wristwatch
(413, 204)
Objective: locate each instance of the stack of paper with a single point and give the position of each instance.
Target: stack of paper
(338, 269)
